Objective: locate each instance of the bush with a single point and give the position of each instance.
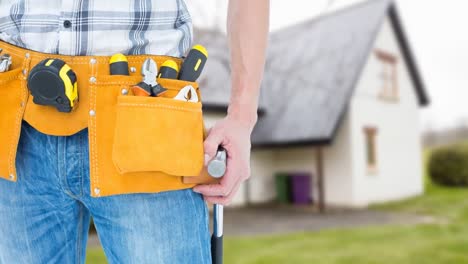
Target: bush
(448, 165)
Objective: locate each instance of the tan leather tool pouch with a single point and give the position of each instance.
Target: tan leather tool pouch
(137, 141)
(13, 95)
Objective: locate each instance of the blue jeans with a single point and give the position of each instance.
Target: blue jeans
(45, 216)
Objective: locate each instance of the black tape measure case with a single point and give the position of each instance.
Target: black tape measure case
(53, 83)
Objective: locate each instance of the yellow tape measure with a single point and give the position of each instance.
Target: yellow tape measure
(53, 83)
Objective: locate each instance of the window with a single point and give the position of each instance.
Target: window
(371, 148)
(389, 89)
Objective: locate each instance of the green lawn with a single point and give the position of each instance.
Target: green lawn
(445, 241)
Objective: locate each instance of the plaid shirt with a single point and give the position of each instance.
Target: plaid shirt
(97, 27)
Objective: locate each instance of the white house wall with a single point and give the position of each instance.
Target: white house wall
(261, 184)
(399, 165)
(338, 167)
(298, 159)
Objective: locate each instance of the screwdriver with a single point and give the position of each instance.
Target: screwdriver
(118, 64)
(193, 64)
(169, 70)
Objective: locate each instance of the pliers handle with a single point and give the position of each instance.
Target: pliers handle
(149, 86)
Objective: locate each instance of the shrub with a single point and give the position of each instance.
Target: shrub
(448, 165)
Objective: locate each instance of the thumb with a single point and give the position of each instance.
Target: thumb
(212, 141)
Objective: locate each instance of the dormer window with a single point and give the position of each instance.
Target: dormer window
(389, 88)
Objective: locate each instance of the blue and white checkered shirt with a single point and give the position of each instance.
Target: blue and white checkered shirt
(97, 27)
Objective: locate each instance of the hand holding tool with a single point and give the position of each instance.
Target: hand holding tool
(52, 82)
(188, 94)
(193, 64)
(149, 86)
(119, 65)
(218, 210)
(169, 70)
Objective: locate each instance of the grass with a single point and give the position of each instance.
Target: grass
(95, 256)
(445, 241)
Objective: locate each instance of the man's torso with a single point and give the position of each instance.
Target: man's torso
(97, 27)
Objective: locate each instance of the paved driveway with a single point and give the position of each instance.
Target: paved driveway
(268, 220)
(281, 220)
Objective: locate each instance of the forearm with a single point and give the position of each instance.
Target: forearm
(248, 24)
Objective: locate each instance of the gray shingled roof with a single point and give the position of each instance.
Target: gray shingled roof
(311, 71)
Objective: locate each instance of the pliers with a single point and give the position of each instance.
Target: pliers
(188, 94)
(149, 86)
(5, 62)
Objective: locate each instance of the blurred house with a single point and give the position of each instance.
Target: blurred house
(340, 100)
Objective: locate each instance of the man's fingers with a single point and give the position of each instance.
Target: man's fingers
(210, 189)
(212, 141)
(213, 189)
(218, 200)
(225, 186)
(223, 200)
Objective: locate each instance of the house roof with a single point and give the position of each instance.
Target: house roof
(310, 75)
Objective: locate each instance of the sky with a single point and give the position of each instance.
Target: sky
(436, 30)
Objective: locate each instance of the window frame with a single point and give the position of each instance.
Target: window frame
(389, 75)
(370, 141)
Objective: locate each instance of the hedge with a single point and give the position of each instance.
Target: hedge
(448, 166)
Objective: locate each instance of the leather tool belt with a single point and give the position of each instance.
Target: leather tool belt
(137, 144)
